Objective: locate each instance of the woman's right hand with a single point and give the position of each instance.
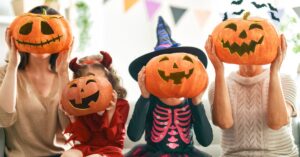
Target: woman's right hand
(211, 52)
(141, 81)
(14, 56)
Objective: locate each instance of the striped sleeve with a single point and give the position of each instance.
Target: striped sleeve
(6, 119)
(289, 91)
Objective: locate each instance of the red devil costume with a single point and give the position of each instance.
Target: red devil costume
(168, 129)
(93, 131)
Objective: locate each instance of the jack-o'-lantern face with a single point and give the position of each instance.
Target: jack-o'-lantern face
(86, 95)
(246, 41)
(41, 33)
(175, 75)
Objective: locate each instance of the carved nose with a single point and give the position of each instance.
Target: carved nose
(243, 34)
(175, 66)
(82, 90)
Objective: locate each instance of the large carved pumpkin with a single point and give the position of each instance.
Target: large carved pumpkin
(249, 41)
(86, 95)
(175, 75)
(41, 33)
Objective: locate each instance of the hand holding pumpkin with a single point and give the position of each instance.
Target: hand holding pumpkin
(112, 106)
(211, 52)
(141, 81)
(281, 51)
(14, 56)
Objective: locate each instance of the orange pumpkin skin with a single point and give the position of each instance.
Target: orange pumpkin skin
(242, 33)
(86, 95)
(175, 75)
(41, 34)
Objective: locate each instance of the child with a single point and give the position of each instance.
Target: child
(102, 133)
(167, 122)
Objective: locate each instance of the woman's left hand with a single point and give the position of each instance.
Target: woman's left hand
(281, 51)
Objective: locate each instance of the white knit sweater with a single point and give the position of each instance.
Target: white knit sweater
(250, 136)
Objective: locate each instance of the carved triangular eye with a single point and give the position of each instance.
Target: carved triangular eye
(26, 29)
(46, 28)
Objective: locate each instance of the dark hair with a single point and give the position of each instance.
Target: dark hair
(25, 55)
(110, 73)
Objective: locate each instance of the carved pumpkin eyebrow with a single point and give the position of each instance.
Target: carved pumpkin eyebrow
(255, 25)
(164, 59)
(187, 58)
(73, 85)
(89, 81)
(231, 26)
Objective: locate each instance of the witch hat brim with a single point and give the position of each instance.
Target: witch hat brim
(136, 65)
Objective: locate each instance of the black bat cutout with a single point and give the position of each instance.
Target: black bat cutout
(274, 17)
(243, 48)
(238, 2)
(259, 5)
(225, 16)
(85, 101)
(176, 76)
(272, 8)
(238, 12)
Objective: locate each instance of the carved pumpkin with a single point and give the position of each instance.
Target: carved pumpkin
(86, 95)
(175, 75)
(41, 33)
(249, 41)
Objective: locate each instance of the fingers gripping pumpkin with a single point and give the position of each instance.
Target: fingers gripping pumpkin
(41, 33)
(86, 95)
(175, 75)
(246, 41)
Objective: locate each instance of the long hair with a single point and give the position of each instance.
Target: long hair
(25, 55)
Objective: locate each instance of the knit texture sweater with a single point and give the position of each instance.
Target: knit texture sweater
(250, 134)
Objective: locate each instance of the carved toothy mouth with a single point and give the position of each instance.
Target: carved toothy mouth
(176, 76)
(85, 101)
(243, 48)
(42, 43)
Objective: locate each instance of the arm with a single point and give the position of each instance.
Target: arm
(278, 111)
(137, 122)
(221, 107)
(8, 89)
(202, 128)
(116, 128)
(79, 132)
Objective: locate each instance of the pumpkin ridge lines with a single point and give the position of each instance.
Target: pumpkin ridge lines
(41, 43)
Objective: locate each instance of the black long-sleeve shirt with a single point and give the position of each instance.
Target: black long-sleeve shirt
(168, 128)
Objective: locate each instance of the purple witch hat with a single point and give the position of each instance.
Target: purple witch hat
(165, 45)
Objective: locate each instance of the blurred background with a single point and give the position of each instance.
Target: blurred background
(127, 28)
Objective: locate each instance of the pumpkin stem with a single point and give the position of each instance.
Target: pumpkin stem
(44, 11)
(246, 15)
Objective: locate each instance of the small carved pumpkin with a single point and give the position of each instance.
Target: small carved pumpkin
(41, 33)
(175, 75)
(86, 95)
(249, 41)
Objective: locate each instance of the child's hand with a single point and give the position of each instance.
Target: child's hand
(141, 81)
(196, 100)
(71, 117)
(112, 106)
(211, 53)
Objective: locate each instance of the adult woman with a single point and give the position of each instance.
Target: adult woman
(30, 94)
(253, 107)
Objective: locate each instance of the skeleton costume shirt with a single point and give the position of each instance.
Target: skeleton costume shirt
(168, 129)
